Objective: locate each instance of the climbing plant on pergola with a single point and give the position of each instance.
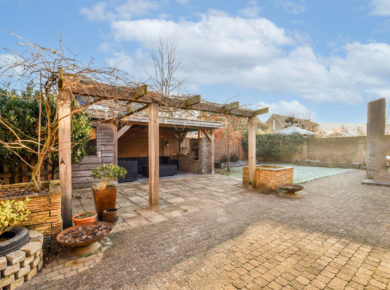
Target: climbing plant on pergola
(71, 86)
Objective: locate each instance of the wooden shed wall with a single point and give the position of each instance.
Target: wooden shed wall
(134, 143)
(106, 138)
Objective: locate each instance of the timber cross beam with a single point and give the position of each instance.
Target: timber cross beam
(141, 95)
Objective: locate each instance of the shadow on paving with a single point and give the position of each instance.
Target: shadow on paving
(337, 206)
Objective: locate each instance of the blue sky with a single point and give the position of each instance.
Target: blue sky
(323, 59)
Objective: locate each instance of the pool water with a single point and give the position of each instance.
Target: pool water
(301, 173)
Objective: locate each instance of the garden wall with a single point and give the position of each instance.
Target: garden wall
(45, 210)
(221, 149)
(332, 152)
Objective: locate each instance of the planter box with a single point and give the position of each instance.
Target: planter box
(269, 178)
(45, 210)
(224, 165)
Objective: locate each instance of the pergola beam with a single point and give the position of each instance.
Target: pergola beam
(231, 106)
(192, 101)
(133, 112)
(123, 130)
(260, 112)
(103, 91)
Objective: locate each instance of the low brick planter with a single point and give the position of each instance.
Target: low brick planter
(20, 266)
(45, 210)
(269, 177)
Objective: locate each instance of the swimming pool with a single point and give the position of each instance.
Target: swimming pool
(301, 173)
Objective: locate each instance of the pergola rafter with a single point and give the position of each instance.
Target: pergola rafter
(70, 85)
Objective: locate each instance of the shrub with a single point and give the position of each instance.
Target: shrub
(22, 112)
(107, 174)
(12, 212)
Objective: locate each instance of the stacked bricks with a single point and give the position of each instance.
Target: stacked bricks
(269, 178)
(70, 265)
(45, 211)
(20, 266)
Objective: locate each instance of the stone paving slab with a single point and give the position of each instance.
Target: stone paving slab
(335, 236)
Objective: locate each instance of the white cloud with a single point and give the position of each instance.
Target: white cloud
(219, 49)
(292, 6)
(10, 65)
(380, 7)
(252, 10)
(127, 10)
(288, 108)
(97, 12)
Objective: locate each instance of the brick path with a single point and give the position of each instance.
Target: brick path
(335, 236)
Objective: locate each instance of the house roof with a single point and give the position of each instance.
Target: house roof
(293, 130)
(342, 129)
(282, 120)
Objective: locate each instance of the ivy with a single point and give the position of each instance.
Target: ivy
(273, 146)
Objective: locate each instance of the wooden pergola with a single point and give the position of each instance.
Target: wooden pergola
(70, 86)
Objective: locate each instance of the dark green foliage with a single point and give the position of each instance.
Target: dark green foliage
(234, 158)
(22, 111)
(273, 146)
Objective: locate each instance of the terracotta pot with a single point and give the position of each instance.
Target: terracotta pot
(110, 215)
(78, 221)
(104, 199)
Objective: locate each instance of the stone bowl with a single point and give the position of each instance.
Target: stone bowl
(84, 243)
(291, 188)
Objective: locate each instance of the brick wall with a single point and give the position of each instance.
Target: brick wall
(269, 178)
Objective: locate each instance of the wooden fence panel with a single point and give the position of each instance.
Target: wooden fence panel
(22, 174)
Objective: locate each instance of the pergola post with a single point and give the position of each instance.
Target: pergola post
(252, 151)
(154, 158)
(65, 156)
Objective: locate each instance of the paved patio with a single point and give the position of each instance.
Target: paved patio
(212, 233)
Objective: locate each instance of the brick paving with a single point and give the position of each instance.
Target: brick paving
(211, 233)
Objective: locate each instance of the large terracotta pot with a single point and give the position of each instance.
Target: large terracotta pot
(104, 199)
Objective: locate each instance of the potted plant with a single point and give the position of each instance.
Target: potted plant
(105, 193)
(85, 217)
(12, 238)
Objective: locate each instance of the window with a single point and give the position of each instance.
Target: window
(91, 144)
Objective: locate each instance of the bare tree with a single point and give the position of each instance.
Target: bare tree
(165, 65)
(44, 66)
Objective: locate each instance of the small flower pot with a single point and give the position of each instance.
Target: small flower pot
(110, 215)
(82, 220)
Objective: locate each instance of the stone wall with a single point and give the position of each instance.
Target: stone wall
(204, 155)
(20, 266)
(378, 145)
(45, 210)
(269, 178)
(187, 163)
